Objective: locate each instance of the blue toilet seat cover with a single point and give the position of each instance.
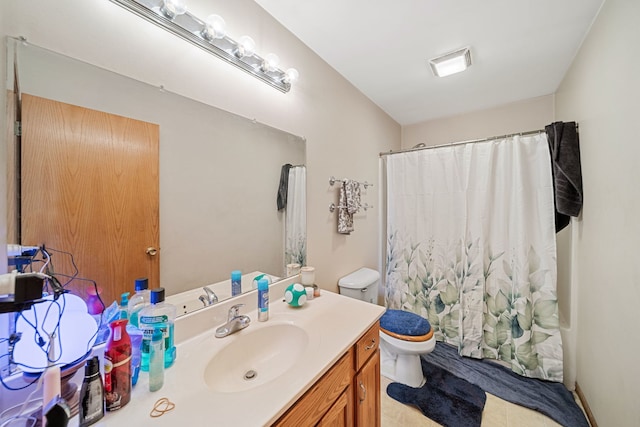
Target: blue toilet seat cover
(404, 323)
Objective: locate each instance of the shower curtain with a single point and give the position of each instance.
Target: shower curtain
(296, 217)
(471, 247)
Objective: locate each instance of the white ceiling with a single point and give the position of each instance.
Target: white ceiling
(520, 48)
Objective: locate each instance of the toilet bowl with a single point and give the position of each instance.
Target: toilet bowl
(404, 337)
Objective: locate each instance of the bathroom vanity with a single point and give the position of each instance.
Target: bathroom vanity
(348, 394)
(314, 365)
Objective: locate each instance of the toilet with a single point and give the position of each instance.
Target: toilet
(404, 336)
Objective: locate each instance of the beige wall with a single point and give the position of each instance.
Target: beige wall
(602, 91)
(344, 130)
(530, 114)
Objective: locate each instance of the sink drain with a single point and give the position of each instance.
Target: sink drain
(250, 375)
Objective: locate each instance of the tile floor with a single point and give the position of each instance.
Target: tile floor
(497, 413)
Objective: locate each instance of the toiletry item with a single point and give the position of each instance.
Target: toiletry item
(295, 295)
(254, 283)
(157, 315)
(124, 305)
(156, 361)
(95, 306)
(56, 414)
(307, 275)
(117, 366)
(91, 394)
(139, 300)
(293, 269)
(236, 282)
(135, 335)
(263, 300)
(309, 291)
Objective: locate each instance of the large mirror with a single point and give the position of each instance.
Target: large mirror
(218, 176)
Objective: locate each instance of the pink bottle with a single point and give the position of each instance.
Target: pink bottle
(117, 366)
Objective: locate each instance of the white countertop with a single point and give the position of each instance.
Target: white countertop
(333, 324)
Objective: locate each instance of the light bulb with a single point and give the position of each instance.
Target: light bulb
(270, 62)
(214, 27)
(173, 8)
(246, 47)
(291, 75)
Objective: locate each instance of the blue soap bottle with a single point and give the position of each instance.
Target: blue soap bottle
(263, 300)
(236, 283)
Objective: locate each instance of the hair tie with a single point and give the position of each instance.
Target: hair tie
(162, 406)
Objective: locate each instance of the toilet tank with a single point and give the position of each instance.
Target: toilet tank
(361, 284)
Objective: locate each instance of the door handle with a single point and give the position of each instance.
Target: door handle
(151, 251)
(363, 394)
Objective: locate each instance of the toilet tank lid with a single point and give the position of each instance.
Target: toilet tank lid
(359, 279)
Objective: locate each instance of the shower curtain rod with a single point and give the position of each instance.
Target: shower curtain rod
(450, 144)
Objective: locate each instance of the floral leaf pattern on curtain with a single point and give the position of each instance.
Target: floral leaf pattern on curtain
(464, 251)
(296, 218)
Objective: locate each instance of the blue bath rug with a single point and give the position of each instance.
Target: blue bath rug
(445, 398)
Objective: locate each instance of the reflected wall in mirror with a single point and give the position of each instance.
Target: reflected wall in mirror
(219, 176)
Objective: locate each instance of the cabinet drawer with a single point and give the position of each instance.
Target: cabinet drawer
(316, 402)
(367, 345)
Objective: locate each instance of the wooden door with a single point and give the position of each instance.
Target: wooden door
(90, 188)
(367, 390)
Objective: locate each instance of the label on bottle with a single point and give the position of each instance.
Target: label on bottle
(236, 287)
(118, 378)
(263, 300)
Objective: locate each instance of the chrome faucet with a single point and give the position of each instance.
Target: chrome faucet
(235, 322)
(209, 298)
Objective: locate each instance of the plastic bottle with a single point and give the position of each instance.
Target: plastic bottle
(91, 394)
(157, 315)
(236, 282)
(135, 335)
(263, 300)
(139, 300)
(156, 361)
(124, 305)
(117, 366)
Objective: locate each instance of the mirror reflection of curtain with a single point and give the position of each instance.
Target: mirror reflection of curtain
(471, 247)
(296, 217)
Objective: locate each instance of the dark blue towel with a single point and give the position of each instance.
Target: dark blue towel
(549, 398)
(404, 323)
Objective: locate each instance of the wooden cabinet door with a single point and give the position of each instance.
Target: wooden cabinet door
(367, 392)
(341, 413)
(90, 187)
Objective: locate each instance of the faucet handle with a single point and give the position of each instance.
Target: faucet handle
(234, 311)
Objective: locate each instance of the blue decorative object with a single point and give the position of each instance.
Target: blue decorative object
(404, 323)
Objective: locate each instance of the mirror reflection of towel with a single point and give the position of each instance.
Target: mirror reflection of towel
(282, 188)
(349, 204)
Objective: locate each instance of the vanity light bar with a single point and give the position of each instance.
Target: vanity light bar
(191, 29)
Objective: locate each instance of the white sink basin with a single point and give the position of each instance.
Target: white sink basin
(255, 357)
